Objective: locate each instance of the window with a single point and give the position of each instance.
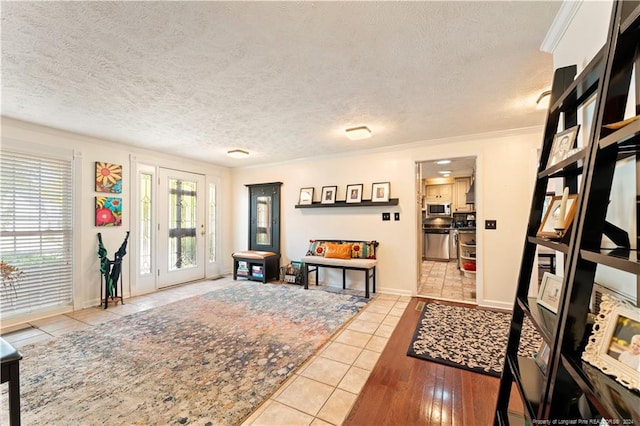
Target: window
(212, 223)
(36, 202)
(145, 223)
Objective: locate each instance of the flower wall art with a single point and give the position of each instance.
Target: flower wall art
(108, 177)
(108, 211)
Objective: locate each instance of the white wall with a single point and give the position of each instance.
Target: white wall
(505, 164)
(87, 151)
(583, 37)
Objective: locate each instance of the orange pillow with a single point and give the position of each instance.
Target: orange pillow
(338, 251)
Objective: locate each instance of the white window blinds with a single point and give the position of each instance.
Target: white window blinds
(36, 232)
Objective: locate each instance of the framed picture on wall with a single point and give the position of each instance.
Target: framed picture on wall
(306, 196)
(108, 177)
(108, 211)
(380, 192)
(354, 193)
(328, 195)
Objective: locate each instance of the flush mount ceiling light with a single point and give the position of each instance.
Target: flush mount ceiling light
(238, 153)
(543, 100)
(357, 133)
(445, 172)
(443, 162)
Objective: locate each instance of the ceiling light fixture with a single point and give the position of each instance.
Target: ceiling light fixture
(238, 153)
(543, 100)
(443, 162)
(445, 172)
(357, 133)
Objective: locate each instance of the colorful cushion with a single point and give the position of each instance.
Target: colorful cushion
(338, 251)
(316, 248)
(363, 250)
(359, 249)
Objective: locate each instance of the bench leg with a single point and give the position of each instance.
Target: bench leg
(14, 394)
(374, 279)
(344, 273)
(366, 283)
(235, 269)
(305, 276)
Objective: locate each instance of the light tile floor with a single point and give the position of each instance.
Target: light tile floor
(443, 280)
(323, 389)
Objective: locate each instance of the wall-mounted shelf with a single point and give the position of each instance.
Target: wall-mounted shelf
(343, 203)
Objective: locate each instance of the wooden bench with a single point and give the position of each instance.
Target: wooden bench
(362, 257)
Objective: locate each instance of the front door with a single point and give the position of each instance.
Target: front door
(181, 227)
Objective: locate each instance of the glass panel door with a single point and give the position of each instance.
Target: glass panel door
(181, 227)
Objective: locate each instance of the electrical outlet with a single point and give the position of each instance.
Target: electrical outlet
(396, 216)
(490, 224)
(386, 216)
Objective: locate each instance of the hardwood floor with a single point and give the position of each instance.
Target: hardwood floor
(403, 390)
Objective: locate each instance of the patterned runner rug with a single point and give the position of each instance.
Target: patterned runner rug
(468, 338)
(210, 359)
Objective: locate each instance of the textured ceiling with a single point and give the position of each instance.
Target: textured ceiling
(280, 79)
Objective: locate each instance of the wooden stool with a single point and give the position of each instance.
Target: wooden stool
(10, 358)
(267, 262)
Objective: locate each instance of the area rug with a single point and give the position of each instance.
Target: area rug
(207, 360)
(468, 338)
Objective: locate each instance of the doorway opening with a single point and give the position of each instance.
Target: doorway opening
(447, 227)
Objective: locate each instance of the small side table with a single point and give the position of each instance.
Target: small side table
(10, 358)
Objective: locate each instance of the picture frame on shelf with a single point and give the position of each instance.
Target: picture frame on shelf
(549, 319)
(306, 196)
(328, 195)
(614, 344)
(354, 193)
(550, 291)
(549, 225)
(542, 357)
(380, 192)
(563, 142)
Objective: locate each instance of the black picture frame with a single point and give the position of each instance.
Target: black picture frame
(354, 193)
(380, 192)
(328, 195)
(306, 196)
(563, 143)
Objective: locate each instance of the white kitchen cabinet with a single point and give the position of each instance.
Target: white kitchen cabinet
(438, 193)
(460, 188)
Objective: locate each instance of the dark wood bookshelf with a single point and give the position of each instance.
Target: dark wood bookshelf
(571, 388)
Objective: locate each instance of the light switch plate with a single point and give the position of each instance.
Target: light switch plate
(490, 224)
(386, 216)
(396, 216)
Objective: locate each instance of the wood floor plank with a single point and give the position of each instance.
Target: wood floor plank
(410, 391)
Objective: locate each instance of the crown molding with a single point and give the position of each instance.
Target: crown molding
(568, 10)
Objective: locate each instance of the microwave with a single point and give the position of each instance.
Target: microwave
(439, 209)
